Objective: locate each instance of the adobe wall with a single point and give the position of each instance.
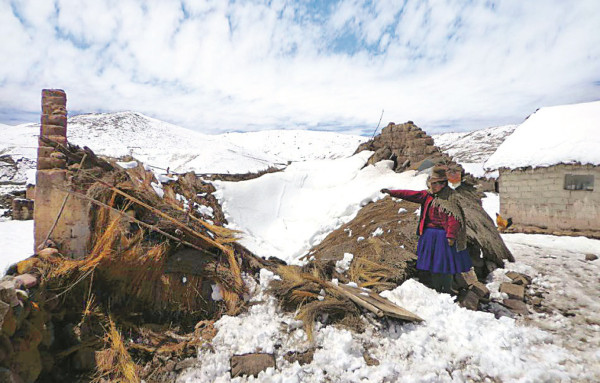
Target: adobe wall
(71, 232)
(536, 197)
(404, 142)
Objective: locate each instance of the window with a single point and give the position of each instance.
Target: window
(579, 182)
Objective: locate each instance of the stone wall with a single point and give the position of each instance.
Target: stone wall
(536, 197)
(402, 142)
(71, 231)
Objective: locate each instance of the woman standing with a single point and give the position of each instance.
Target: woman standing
(442, 230)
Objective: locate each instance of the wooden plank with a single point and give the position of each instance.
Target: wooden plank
(354, 298)
(386, 306)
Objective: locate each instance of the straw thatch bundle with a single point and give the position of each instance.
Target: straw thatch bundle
(135, 235)
(481, 231)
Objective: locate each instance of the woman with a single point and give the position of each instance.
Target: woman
(442, 230)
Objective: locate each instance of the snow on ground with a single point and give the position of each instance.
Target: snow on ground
(297, 145)
(552, 135)
(16, 239)
(491, 204)
(284, 214)
(452, 345)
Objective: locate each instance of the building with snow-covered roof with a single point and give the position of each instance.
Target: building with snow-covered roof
(550, 170)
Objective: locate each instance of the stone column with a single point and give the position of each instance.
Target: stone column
(71, 231)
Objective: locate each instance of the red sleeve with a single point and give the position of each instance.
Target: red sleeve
(410, 195)
(453, 227)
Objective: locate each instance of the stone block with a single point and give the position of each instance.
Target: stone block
(516, 306)
(44, 151)
(513, 291)
(54, 119)
(48, 253)
(26, 281)
(8, 294)
(48, 163)
(466, 279)
(518, 278)
(591, 257)
(469, 300)
(53, 130)
(48, 94)
(251, 364)
(480, 289)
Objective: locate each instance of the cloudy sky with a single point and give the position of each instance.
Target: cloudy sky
(216, 66)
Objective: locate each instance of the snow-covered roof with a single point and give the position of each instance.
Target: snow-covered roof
(552, 135)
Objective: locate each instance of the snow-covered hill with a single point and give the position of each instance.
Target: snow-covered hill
(472, 149)
(286, 213)
(165, 145)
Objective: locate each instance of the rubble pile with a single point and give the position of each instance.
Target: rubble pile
(406, 144)
(157, 251)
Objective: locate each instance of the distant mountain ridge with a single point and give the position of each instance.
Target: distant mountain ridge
(476, 146)
(472, 149)
(163, 145)
(160, 144)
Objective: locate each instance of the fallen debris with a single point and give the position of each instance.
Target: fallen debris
(513, 291)
(251, 364)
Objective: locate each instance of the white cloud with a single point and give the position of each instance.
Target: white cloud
(217, 66)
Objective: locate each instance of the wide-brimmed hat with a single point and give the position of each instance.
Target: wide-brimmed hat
(438, 173)
(454, 173)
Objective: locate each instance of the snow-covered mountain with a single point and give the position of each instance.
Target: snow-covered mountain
(165, 145)
(472, 149)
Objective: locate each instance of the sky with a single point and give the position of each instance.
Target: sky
(222, 66)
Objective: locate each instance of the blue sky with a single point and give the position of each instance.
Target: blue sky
(217, 66)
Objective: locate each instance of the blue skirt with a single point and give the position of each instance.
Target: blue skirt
(435, 255)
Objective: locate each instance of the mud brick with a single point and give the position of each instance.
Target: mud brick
(466, 279)
(54, 93)
(54, 119)
(59, 139)
(513, 291)
(44, 151)
(250, 364)
(51, 163)
(516, 306)
(518, 278)
(469, 300)
(480, 289)
(54, 130)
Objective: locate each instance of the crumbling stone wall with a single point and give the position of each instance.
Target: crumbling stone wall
(71, 230)
(536, 197)
(402, 143)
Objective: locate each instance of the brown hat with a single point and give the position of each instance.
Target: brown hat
(438, 173)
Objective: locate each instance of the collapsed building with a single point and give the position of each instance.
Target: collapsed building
(122, 249)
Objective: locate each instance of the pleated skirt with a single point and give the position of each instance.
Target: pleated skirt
(435, 255)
